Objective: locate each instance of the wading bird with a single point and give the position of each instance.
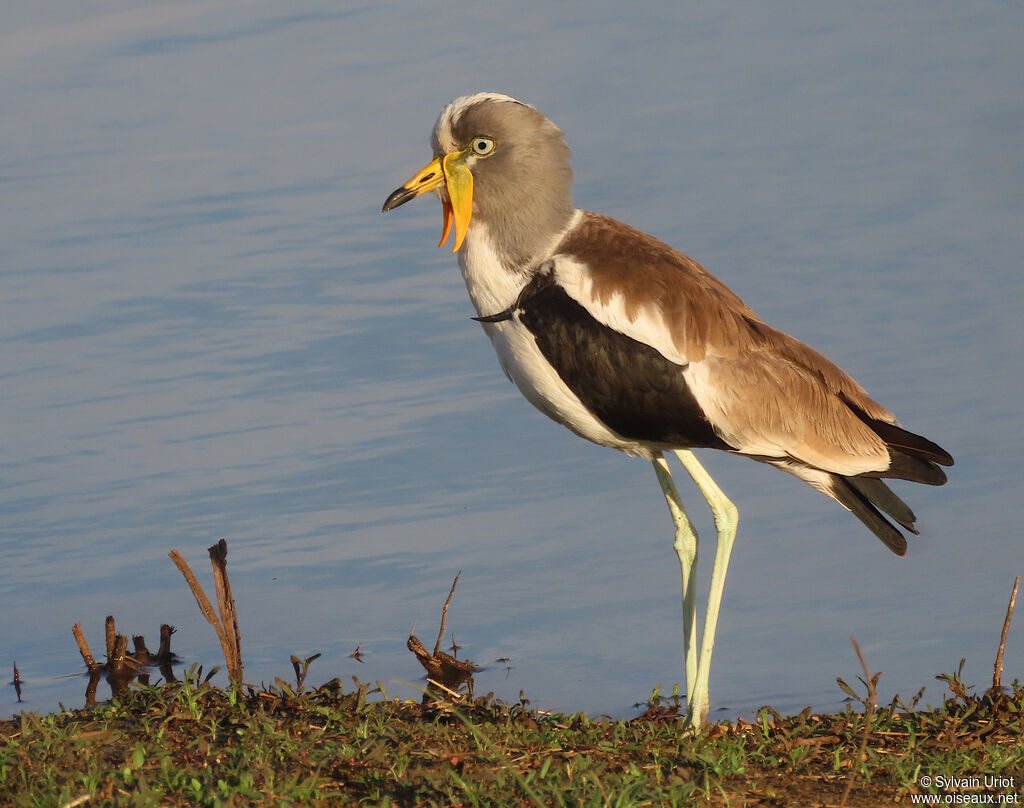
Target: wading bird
(633, 345)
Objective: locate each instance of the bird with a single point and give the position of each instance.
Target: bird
(633, 345)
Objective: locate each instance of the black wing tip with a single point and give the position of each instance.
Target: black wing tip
(913, 468)
(850, 496)
(902, 440)
(921, 447)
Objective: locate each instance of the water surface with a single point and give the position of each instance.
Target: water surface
(209, 331)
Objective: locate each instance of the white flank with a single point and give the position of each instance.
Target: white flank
(540, 383)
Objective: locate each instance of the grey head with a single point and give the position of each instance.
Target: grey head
(522, 187)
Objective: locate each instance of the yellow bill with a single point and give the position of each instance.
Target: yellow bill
(458, 205)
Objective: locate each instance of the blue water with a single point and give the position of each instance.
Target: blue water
(210, 331)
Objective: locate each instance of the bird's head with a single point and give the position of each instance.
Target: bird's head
(499, 162)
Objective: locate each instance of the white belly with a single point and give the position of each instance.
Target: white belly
(538, 381)
(493, 289)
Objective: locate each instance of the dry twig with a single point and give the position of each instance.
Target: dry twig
(997, 671)
(83, 648)
(869, 711)
(226, 602)
(444, 614)
(226, 625)
(110, 635)
(442, 667)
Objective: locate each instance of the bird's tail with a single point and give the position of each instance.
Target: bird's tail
(867, 498)
(911, 457)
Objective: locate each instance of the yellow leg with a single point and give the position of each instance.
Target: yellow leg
(726, 521)
(686, 550)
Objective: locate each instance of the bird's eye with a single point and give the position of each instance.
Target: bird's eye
(482, 145)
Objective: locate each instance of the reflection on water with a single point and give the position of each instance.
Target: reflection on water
(210, 332)
(122, 668)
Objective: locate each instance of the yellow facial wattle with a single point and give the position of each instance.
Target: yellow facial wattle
(459, 181)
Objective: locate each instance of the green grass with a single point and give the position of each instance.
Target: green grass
(193, 744)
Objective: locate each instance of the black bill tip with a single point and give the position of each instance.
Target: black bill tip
(398, 197)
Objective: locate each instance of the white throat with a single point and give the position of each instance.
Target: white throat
(492, 285)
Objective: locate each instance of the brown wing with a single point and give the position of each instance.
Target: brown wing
(765, 392)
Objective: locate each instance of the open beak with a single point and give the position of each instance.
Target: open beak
(452, 172)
